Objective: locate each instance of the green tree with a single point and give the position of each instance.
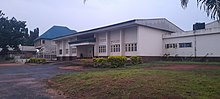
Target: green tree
(29, 38)
(11, 33)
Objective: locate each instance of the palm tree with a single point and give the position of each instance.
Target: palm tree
(212, 7)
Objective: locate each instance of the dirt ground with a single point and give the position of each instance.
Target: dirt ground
(75, 68)
(185, 67)
(11, 64)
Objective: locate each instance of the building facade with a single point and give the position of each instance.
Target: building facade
(151, 39)
(142, 37)
(46, 45)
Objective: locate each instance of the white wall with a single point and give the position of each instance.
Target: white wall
(115, 39)
(179, 51)
(130, 36)
(150, 41)
(207, 44)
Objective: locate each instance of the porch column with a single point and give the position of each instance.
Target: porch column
(122, 43)
(107, 44)
(63, 48)
(57, 48)
(70, 48)
(96, 46)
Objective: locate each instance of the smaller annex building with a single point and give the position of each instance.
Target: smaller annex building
(46, 46)
(151, 39)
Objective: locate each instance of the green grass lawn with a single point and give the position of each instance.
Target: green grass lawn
(142, 83)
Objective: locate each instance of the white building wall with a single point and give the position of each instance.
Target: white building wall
(186, 52)
(150, 41)
(130, 36)
(102, 41)
(114, 39)
(208, 45)
(204, 44)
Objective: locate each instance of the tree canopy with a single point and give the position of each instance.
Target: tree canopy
(13, 33)
(212, 7)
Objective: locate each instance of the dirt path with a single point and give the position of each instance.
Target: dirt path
(185, 67)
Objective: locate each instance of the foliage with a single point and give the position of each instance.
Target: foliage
(12, 33)
(100, 62)
(136, 60)
(212, 7)
(29, 38)
(117, 61)
(37, 60)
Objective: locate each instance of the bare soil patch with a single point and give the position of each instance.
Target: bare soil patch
(11, 64)
(185, 67)
(75, 68)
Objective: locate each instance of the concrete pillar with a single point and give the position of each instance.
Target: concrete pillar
(108, 47)
(96, 46)
(122, 53)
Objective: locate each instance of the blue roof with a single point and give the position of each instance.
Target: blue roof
(56, 31)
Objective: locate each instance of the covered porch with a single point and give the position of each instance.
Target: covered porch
(84, 46)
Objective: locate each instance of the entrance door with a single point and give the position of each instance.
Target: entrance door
(90, 52)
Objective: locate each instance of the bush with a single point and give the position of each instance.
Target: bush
(37, 60)
(136, 60)
(100, 62)
(117, 61)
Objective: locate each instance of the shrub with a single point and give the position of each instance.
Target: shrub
(37, 60)
(100, 62)
(117, 61)
(136, 60)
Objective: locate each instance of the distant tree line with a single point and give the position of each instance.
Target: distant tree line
(14, 33)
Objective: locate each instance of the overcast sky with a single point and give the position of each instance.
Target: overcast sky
(95, 13)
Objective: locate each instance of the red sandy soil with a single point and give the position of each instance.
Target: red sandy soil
(185, 67)
(75, 68)
(11, 64)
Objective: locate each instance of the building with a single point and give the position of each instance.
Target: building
(46, 46)
(26, 52)
(201, 44)
(151, 39)
(140, 37)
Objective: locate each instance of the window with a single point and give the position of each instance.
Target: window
(115, 48)
(171, 45)
(131, 47)
(60, 51)
(185, 45)
(43, 41)
(67, 51)
(73, 50)
(102, 49)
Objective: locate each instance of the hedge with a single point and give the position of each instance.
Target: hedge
(37, 60)
(136, 60)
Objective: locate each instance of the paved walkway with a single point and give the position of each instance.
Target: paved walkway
(27, 82)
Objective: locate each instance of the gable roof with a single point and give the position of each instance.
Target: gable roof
(158, 23)
(56, 31)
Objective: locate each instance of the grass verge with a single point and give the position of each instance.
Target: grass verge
(140, 83)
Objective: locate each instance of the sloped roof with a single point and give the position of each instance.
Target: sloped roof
(158, 23)
(214, 24)
(56, 31)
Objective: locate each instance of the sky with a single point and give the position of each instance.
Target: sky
(78, 16)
